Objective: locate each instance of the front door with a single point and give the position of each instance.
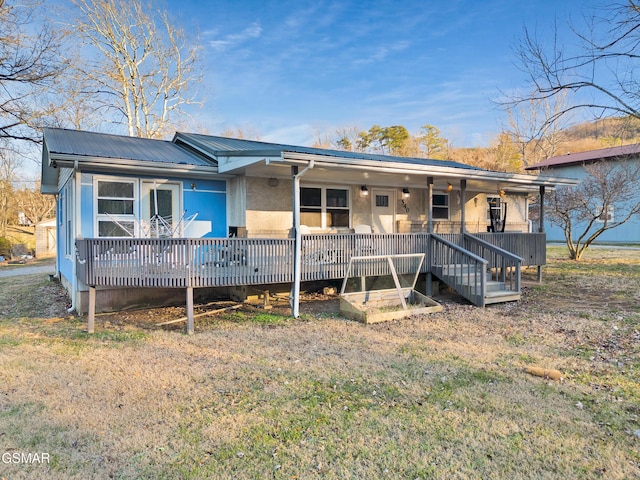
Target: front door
(383, 204)
(160, 209)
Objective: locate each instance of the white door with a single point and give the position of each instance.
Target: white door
(162, 199)
(383, 203)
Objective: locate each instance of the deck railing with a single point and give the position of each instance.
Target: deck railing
(326, 256)
(184, 262)
(218, 262)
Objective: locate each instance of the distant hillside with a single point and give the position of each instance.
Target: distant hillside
(608, 132)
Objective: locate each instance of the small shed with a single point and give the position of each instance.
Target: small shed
(46, 238)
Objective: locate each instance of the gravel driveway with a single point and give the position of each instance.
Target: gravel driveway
(28, 270)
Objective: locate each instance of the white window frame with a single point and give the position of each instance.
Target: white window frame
(610, 213)
(323, 204)
(67, 207)
(121, 217)
(447, 206)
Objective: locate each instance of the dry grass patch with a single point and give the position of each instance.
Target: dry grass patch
(255, 394)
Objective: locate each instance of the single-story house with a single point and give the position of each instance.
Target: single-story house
(203, 211)
(572, 165)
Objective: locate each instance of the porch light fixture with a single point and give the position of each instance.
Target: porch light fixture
(364, 191)
(448, 189)
(501, 193)
(405, 193)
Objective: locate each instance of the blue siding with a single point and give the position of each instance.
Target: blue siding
(209, 199)
(626, 233)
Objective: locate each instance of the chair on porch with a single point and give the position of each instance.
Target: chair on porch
(364, 246)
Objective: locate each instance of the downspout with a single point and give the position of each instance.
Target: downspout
(297, 254)
(74, 205)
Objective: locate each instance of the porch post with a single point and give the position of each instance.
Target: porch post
(429, 279)
(541, 226)
(297, 250)
(430, 204)
(463, 197)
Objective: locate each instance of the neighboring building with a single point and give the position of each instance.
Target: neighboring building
(207, 187)
(572, 166)
(46, 232)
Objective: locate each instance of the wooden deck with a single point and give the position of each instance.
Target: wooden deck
(473, 265)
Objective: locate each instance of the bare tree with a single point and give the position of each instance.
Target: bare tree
(529, 126)
(600, 75)
(146, 70)
(605, 199)
(29, 66)
(8, 175)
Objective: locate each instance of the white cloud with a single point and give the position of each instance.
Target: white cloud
(231, 40)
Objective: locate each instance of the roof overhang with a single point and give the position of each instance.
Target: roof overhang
(372, 172)
(52, 162)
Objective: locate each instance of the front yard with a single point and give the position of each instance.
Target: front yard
(255, 394)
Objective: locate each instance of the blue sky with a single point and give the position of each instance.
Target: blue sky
(289, 71)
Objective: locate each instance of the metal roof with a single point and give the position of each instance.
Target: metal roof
(590, 156)
(223, 146)
(91, 144)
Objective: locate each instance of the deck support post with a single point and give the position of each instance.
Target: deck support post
(91, 322)
(190, 322)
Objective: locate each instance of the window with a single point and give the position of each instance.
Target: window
(606, 216)
(382, 200)
(67, 219)
(323, 207)
(115, 207)
(440, 206)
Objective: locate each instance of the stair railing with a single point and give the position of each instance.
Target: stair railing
(502, 265)
(462, 270)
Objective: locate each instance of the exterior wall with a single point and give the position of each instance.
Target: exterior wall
(76, 202)
(206, 198)
(269, 210)
(626, 233)
(269, 207)
(475, 212)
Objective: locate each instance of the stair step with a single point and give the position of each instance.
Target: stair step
(501, 296)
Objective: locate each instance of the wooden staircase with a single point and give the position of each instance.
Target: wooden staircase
(467, 281)
(483, 274)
